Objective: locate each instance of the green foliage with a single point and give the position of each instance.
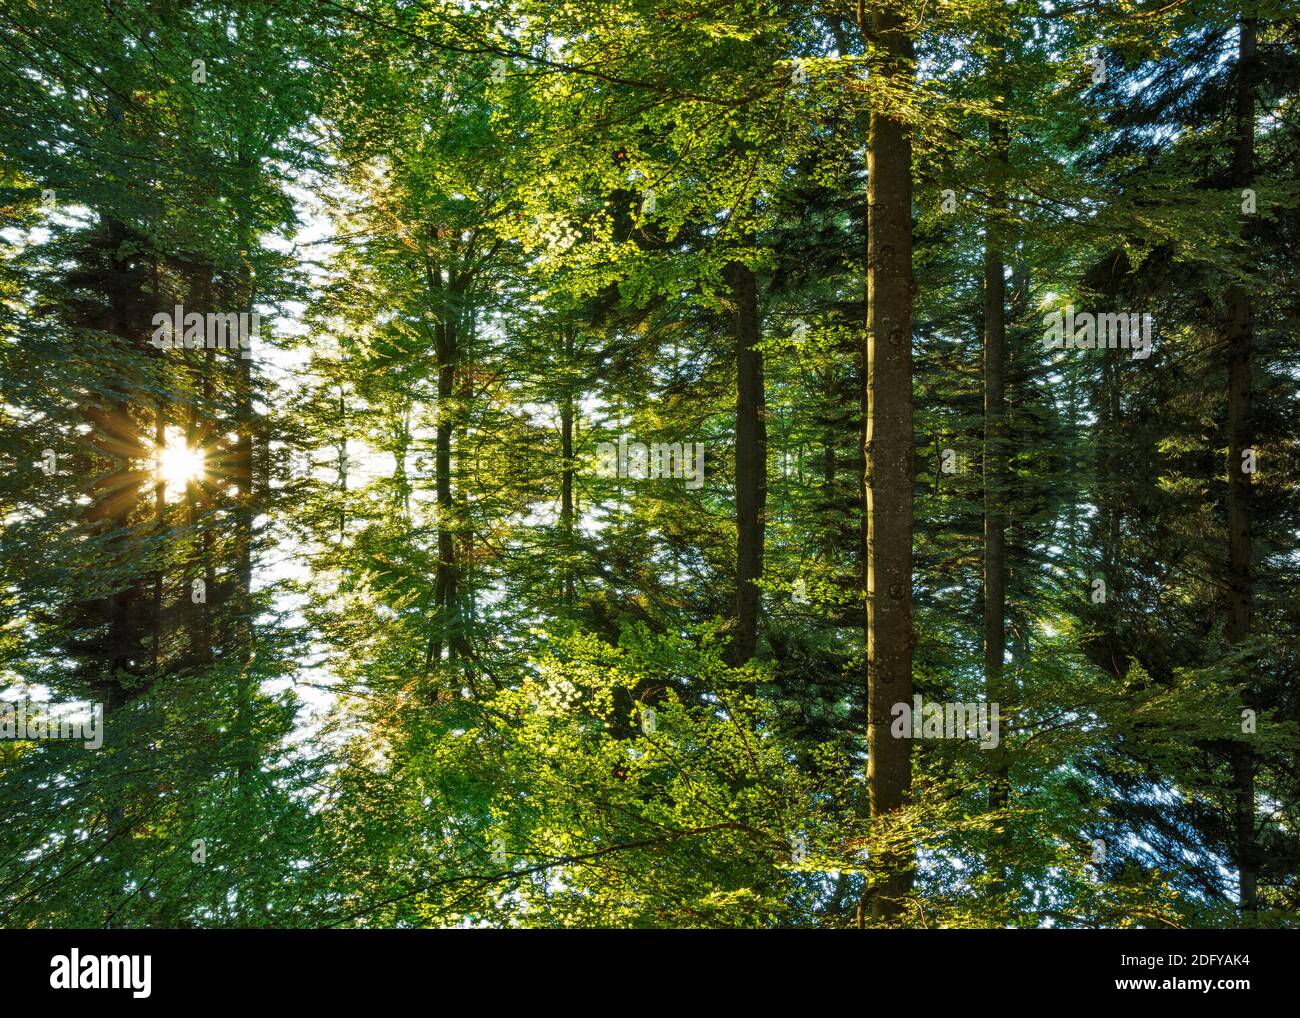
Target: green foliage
(447, 672)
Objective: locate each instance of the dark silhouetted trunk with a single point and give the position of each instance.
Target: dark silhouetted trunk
(751, 460)
(566, 481)
(995, 442)
(1240, 341)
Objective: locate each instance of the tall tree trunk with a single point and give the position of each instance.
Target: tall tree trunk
(247, 512)
(566, 481)
(464, 604)
(159, 489)
(445, 579)
(448, 295)
(889, 453)
(995, 437)
(202, 560)
(1240, 581)
(751, 460)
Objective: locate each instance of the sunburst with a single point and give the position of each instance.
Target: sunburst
(179, 464)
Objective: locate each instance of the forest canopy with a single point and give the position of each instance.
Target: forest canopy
(672, 463)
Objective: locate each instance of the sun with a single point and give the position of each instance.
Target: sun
(179, 463)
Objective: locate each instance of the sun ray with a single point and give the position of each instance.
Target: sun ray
(179, 464)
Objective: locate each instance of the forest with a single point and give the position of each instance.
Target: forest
(649, 464)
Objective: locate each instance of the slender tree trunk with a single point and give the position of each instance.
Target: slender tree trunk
(447, 343)
(464, 531)
(995, 442)
(1240, 581)
(445, 580)
(401, 481)
(202, 563)
(246, 513)
(160, 492)
(889, 453)
(566, 480)
(751, 460)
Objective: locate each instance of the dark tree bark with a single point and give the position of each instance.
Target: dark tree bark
(445, 576)
(889, 452)
(448, 295)
(566, 481)
(246, 513)
(1240, 342)
(995, 437)
(751, 461)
